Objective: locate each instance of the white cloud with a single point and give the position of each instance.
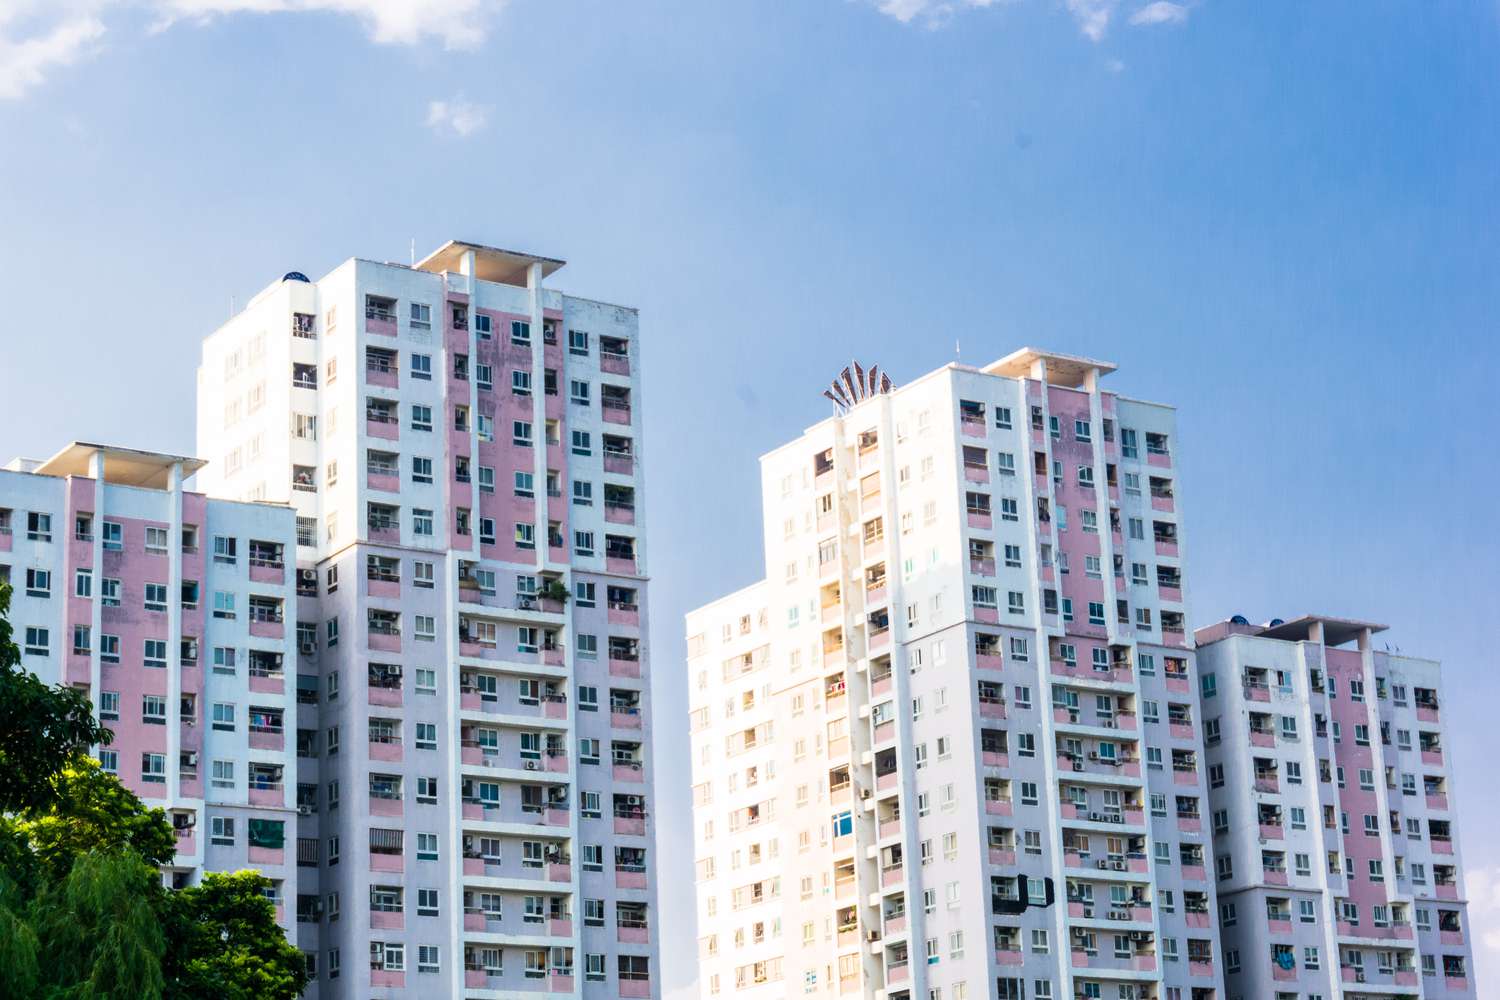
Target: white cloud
(1160, 12)
(458, 24)
(1092, 16)
(930, 12)
(25, 62)
(1115, 65)
(40, 36)
(456, 116)
(1482, 889)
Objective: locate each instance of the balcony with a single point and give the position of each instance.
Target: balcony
(1003, 856)
(1116, 674)
(265, 621)
(266, 793)
(381, 373)
(380, 316)
(382, 423)
(384, 638)
(266, 565)
(386, 748)
(384, 529)
(615, 411)
(386, 977)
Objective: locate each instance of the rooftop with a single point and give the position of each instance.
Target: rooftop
(506, 267)
(1336, 631)
(1062, 369)
(125, 466)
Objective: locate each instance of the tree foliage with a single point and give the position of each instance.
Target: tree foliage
(224, 943)
(83, 911)
(40, 726)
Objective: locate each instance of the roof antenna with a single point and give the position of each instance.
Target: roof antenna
(955, 349)
(413, 251)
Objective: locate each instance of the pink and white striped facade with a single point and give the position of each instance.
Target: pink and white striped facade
(145, 596)
(1333, 814)
(460, 444)
(965, 677)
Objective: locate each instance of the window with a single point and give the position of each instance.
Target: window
(421, 417)
(39, 528)
(156, 597)
(37, 641)
(421, 469)
(112, 535)
(154, 767)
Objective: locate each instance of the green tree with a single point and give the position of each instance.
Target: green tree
(99, 931)
(41, 727)
(223, 942)
(83, 913)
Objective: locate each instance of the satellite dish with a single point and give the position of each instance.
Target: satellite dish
(1239, 620)
(295, 276)
(1276, 621)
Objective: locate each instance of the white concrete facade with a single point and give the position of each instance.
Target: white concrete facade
(461, 445)
(948, 747)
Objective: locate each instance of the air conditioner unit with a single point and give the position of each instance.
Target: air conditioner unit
(1103, 863)
(531, 765)
(307, 575)
(873, 936)
(1107, 723)
(1118, 866)
(864, 793)
(306, 648)
(304, 810)
(1094, 817)
(1140, 935)
(1078, 765)
(192, 758)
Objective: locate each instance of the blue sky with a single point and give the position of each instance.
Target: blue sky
(1281, 218)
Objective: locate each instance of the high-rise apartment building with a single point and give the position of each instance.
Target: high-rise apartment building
(949, 746)
(461, 447)
(169, 609)
(1332, 814)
